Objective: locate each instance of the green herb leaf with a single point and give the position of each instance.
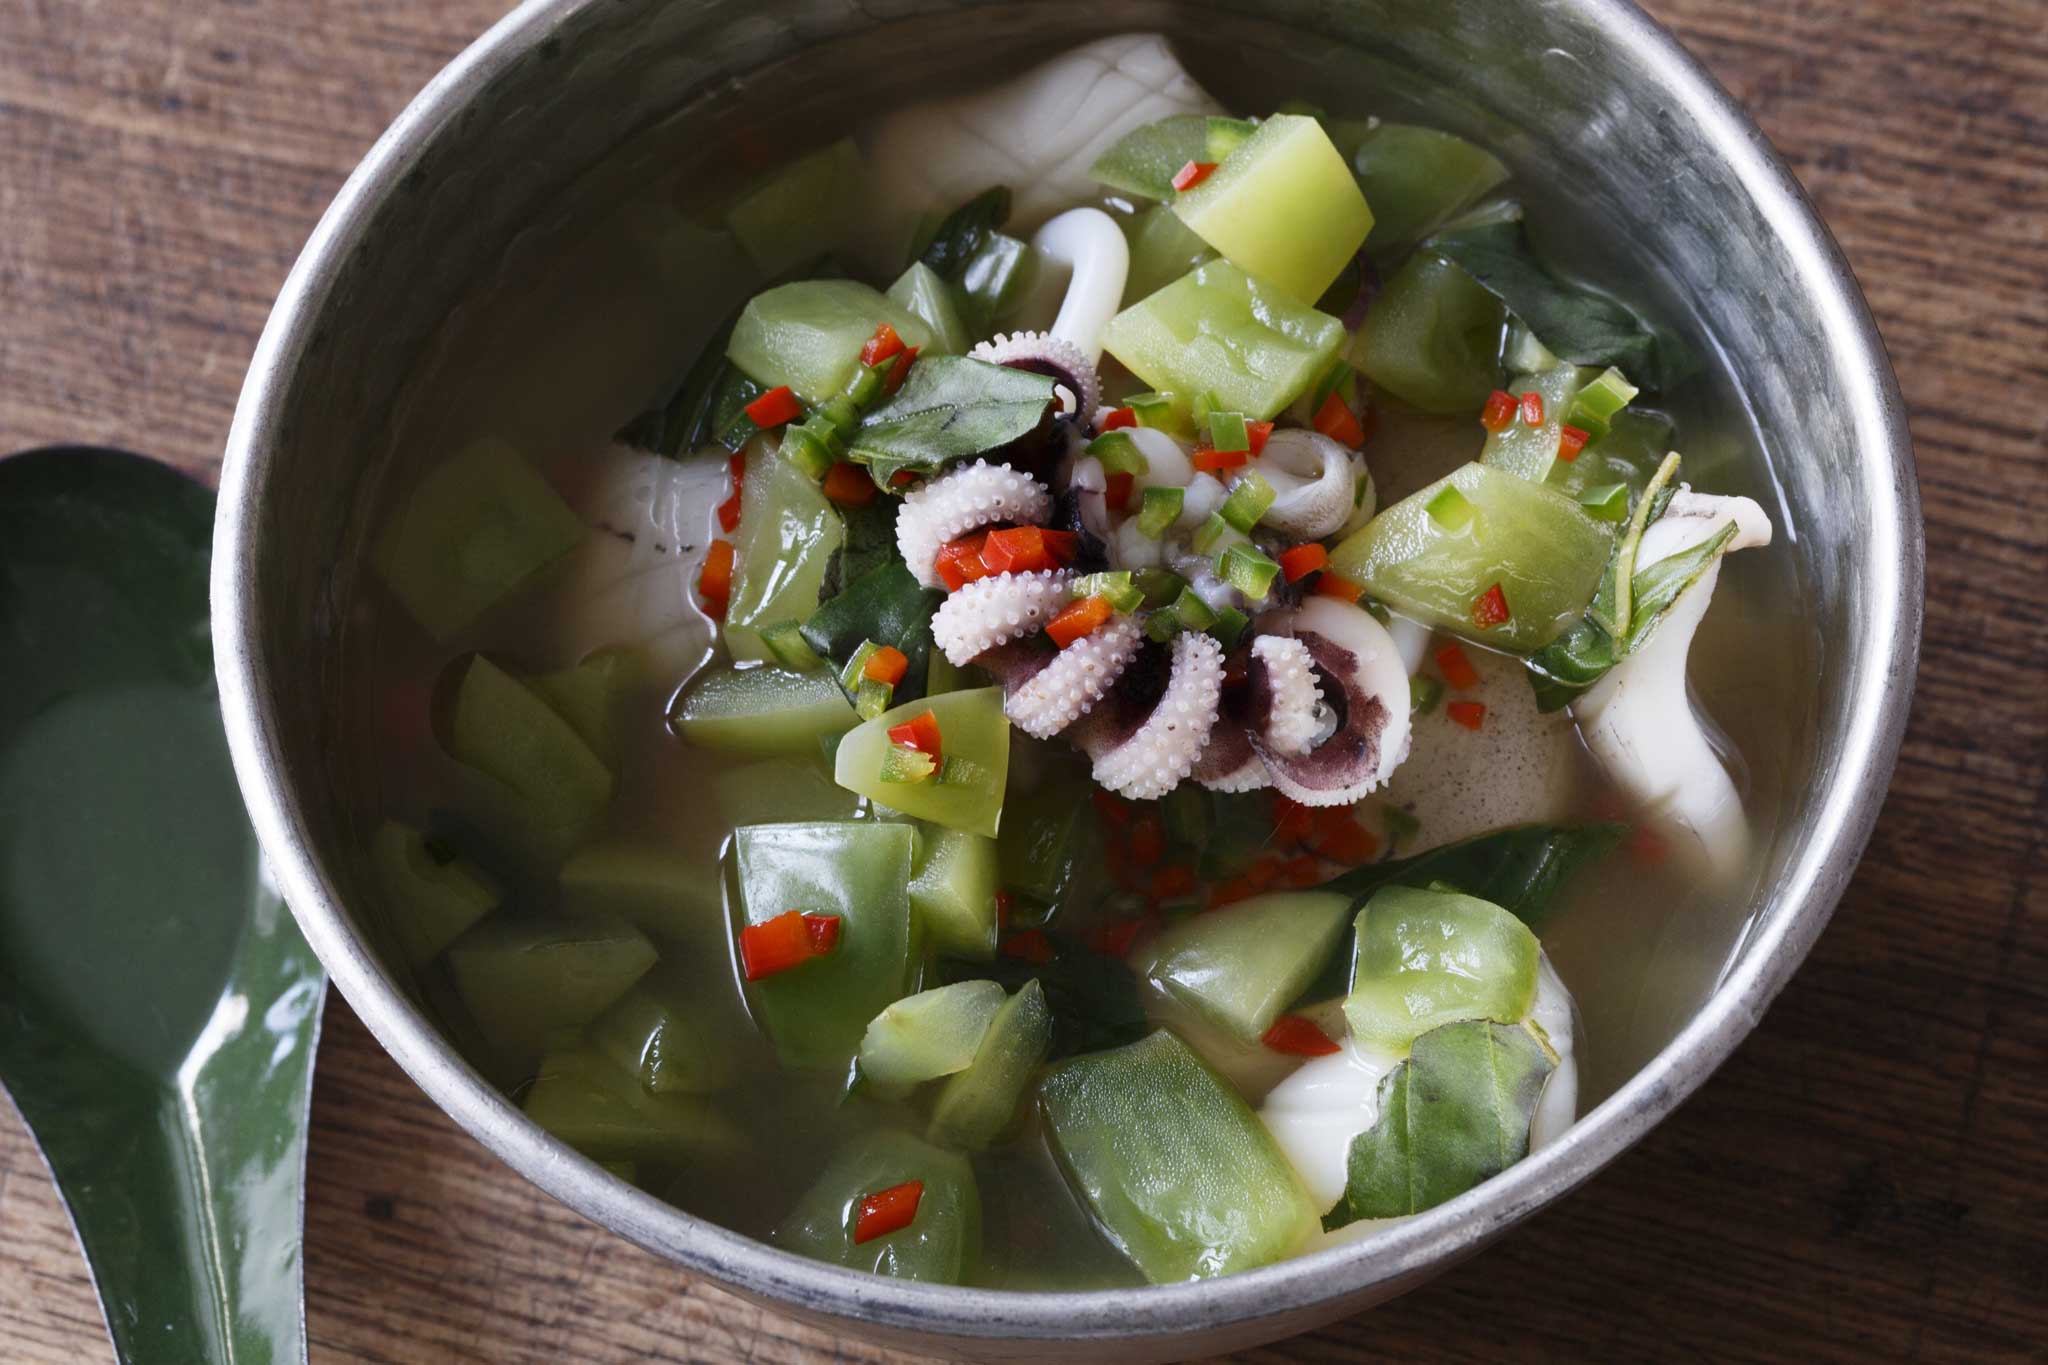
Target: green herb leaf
(1093, 997)
(964, 232)
(1519, 869)
(950, 408)
(869, 543)
(1452, 1115)
(1614, 603)
(1583, 326)
(985, 268)
(708, 407)
(886, 604)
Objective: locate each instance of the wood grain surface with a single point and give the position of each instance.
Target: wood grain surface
(1863, 1181)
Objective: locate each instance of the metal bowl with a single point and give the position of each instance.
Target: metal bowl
(1585, 93)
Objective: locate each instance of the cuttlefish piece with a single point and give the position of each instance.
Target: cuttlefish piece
(1640, 721)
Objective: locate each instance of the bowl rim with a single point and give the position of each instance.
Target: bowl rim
(1790, 916)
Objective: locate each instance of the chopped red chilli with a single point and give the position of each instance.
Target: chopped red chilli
(775, 407)
(887, 1211)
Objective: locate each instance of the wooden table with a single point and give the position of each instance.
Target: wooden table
(1863, 1180)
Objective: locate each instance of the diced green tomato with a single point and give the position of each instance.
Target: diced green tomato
(1217, 330)
(1606, 502)
(953, 890)
(1538, 545)
(664, 894)
(598, 1107)
(780, 789)
(1599, 401)
(1176, 1169)
(928, 1035)
(1243, 965)
(1162, 250)
(920, 292)
(1162, 411)
(977, 1106)
(587, 696)
(815, 1013)
(1158, 509)
(1423, 958)
(787, 646)
(1145, 160)
(433, 893)
(1432, 338)
(557, 787)
(808, 335)
(1523, 352)
(1229, 626)
(478, 527)
(534, 984)
(788, 534)
(1248, 569)
(1040, 841)
(901, 764)
(801, 210)
(762, 711)
(975, 730)
(941, 1245)
(1531, 451)
(665, 1034)
(1251, 496)
(1416, 179)
(1284, 207)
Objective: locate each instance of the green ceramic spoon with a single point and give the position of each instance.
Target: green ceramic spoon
(158, 1008)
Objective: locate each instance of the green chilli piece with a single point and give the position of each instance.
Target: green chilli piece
(1215, 534)
(1606, 502)
(479, 526)
(1424, 692)
(1424, 958)
(1229, 626)
(1158, 509)
(1162, 412)
(1119, 454)
(1114, 585)
(1251, 497)
(1599, 402)
(1227, 432)
(434, 894)
(1248, 569)
(1178, 1172)
(785, 641)
(1449, 509)
(901, 763)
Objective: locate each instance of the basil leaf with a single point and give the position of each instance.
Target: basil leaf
(1519, 869)
(1658, 586)
(1454, 1114)
(1093, 997)
(1613, 603)
(708, 407)
(1570, 664)
(869, 543)
(951, 407)
(1579, 324)
(963, 233)
(887, 605)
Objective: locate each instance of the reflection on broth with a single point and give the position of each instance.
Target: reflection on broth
(728, 907)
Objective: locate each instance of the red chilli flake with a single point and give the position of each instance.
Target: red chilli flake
(1257, 434)
(1336, 585)
(1029, 945)
(1532, 409)
(790, 939)
(887, 1211)
(1335, 420)
(1119, 418)
(774, 408)
(1079, 619)
(1470, 714)
(1498, 412)
(1193, 174)
(1570, 441)
(1299, 561)
(1215, 461)
(1118, 494)
(1171, 881)
(1111, 807)
(919, 732)
(849, 485)
(887, 665)
(881, 346)
(1490, 608)
(898, 373)
(1457, 668)
(1298, 1036)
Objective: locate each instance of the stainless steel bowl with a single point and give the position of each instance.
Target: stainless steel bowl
(1589, 93)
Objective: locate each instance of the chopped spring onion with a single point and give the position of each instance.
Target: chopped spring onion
(843, 413)
(1160, 411)
(1606, 502)
(1595, 405)
(1079, 619)
(1450, 509)
(1230, 626)
(1248, 569)
(886, 1211)
(775, 407)
(871, 691)
(812, 447)
(1424, 692)
(864, 385)
(1114, 587)
(1119, 454)
(1299, 561)
(1227, 432)
(1250, 498)
(1498, 412)
(1490, 608)
(1160, 508)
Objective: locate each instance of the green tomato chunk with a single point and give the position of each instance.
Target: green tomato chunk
(1425, 958)
(533, 985)
(979, 1105)
(544, 779)
(434, 894)
(788, 533)
(1176, 1169)
(966, 794)
(808, 335)
(1220, 331)
(1432, 338)
(928, 1035)
(587, 1100)
(941, 1244)
(953, 890)
(763, 711)
(1242, 965)
(1539, 546)
(816, 1012)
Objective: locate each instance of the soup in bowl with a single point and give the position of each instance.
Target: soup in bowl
(1154, 663)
